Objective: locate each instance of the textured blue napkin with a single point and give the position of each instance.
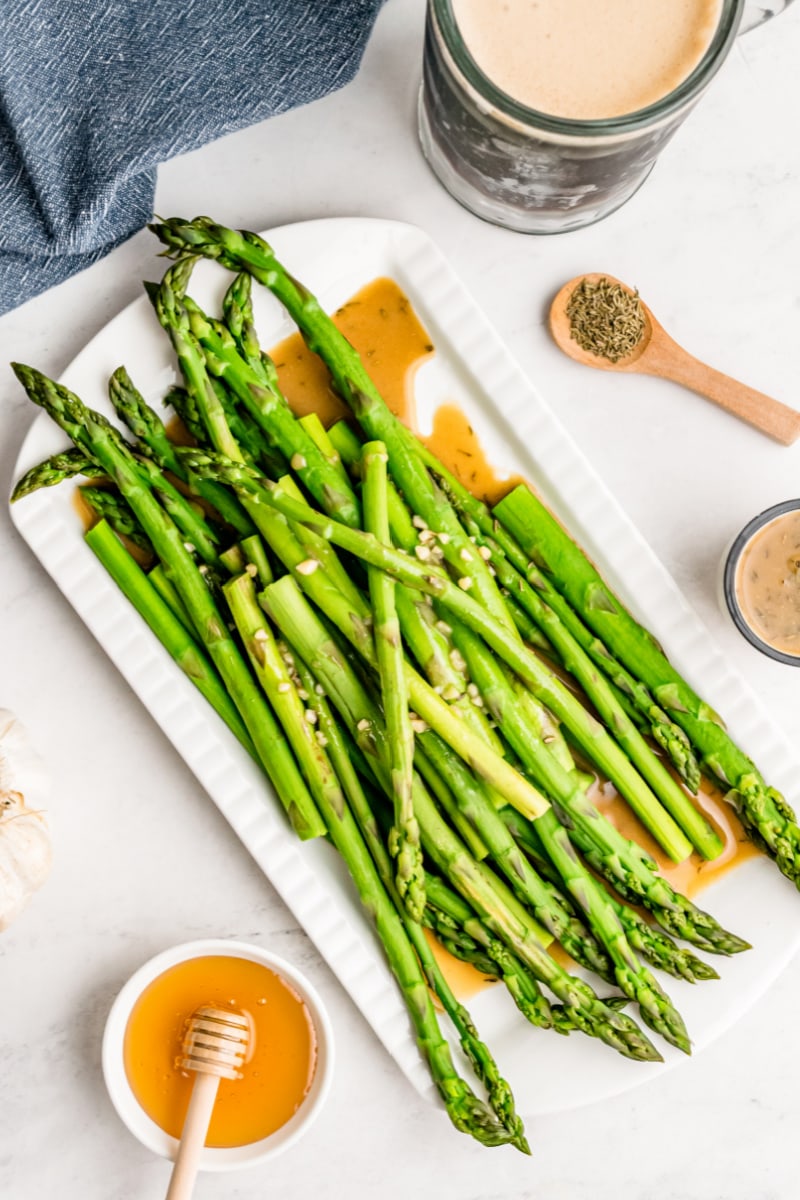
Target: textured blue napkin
(95, 93)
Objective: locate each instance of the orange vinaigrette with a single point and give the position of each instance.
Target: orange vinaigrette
(281, 1062)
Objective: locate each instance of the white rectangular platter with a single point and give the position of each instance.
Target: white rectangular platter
(520, 434)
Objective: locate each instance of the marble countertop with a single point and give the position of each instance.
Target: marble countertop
(143, 859)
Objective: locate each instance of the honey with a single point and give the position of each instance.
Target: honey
(282, 1054)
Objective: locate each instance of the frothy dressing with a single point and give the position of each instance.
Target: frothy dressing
(768, 583)
(587, 59)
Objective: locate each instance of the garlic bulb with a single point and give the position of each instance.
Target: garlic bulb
(25, 851)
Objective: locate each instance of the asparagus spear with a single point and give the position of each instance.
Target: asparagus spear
(92, 432)
(424, 577)
(137, 587)
(55, 469)
(169, 594)
(248, 252)
(468, 794)
(544, 901)
(148, 428)
(478, 518)
(191, 522)
(256, 561)
(464, 934)
(253, 442)
(237, 312)
(655, 947)
(461, 821)
(182, 318)
(404, 837)
(459, 944)
(633, 978)
(762, 809)
(494, 903)
(619, 859)
(107, 505)
(186, 409)
(600, 692)
(429, 640)
(499, 1093)
(465, 928)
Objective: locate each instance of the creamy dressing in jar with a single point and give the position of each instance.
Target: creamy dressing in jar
(588, 59)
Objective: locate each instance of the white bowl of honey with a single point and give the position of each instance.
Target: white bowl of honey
(283, 1083)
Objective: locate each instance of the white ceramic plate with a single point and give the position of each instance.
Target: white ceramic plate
(473, 368)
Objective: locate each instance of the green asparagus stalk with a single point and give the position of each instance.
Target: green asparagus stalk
(543, 900)
(494, 903)
(107, 505)
(257, 563)
(450, 911)
(270, 670)
(429, 640)
(186, 409)
(248, 252)
(152, 435)
(478, 518)
(91, 432)
(317, 431)
(169, 594)
(264, 402)
(449, 805)
(237, 313)
(430, 580)
(233, 559)
(700, 833)
(404, 837)
(199, 535)
(251, 438)
(55, 469)
(621, 860)
(459, 944)
(459, 930)
(762, 809)
(173, 635)
(499, 1093)
(654, 946)
(634, 979)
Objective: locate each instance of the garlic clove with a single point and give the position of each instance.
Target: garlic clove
(25, 843)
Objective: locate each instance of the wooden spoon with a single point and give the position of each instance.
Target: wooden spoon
(214, 1046)
(657, 354)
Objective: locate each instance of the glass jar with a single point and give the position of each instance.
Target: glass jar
(537, 173)
(729, 590)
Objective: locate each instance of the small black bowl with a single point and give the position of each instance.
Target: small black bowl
(729, 580)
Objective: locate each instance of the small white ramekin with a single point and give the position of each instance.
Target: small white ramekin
(134, 1116)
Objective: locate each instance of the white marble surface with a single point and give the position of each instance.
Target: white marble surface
(142, 857)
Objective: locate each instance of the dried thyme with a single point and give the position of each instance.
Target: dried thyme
(605, 319)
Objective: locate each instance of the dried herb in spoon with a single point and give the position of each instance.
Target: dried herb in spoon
(605, 318)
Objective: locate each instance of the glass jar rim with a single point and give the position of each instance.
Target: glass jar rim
(674, 101)
(730, 570)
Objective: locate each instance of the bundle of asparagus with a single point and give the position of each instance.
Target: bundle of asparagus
(384, 646)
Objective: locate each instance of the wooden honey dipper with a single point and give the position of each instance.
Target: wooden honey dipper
(214, 1047)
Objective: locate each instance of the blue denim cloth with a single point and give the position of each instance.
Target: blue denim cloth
(95, 93)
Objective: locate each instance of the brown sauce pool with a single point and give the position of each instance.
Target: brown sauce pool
(380, 322)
